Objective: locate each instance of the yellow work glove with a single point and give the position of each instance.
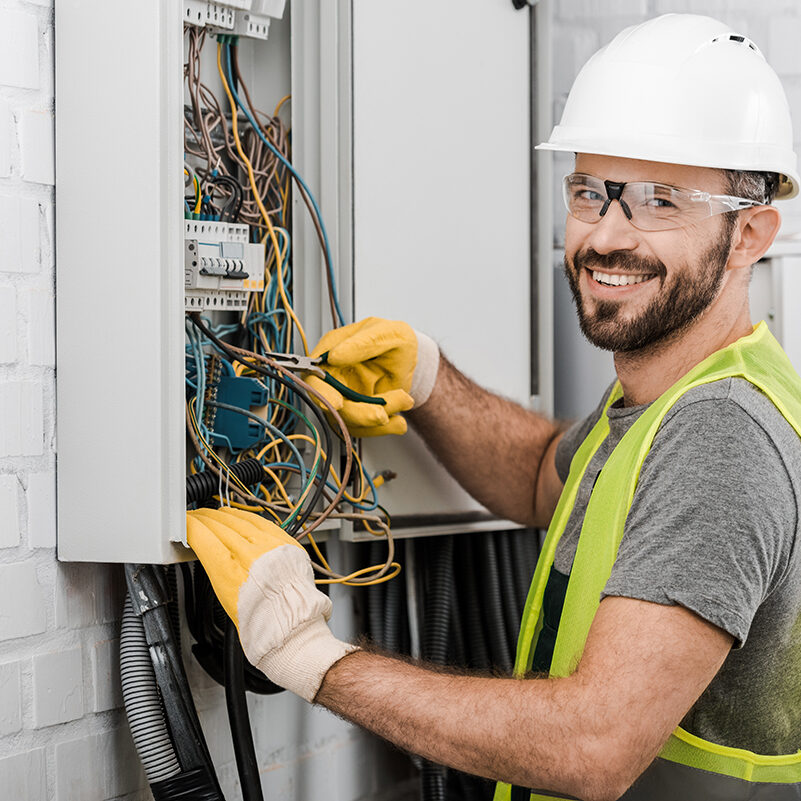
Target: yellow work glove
(264, 580)
(385, 359)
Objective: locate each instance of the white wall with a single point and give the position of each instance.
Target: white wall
(62, 735)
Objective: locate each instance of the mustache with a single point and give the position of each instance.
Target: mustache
(619, 261)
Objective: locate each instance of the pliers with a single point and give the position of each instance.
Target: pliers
(311, 364)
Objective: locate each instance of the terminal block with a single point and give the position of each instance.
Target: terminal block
(221, 267)
(248, 18)
(233, 429)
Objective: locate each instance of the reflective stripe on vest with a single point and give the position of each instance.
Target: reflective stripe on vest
(688, 767)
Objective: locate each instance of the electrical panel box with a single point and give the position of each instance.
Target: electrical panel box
(421, 167)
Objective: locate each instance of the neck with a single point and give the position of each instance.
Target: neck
(645, 374)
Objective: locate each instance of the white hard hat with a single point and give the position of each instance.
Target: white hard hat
(681, 89)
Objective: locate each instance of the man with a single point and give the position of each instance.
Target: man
(670, 577)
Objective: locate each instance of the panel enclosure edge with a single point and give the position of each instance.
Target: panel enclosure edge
(119, 245)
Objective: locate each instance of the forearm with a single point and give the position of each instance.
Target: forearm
(534, 732)
(492, 446)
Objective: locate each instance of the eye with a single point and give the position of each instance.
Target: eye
(588, 195)
(660, 203)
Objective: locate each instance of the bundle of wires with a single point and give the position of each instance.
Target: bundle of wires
(238, 169)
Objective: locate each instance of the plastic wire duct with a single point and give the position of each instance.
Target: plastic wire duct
(143, 702)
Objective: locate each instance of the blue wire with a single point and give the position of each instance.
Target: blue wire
(295, 452)
(279, 155)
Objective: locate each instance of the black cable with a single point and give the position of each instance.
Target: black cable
(435, 642)
(509, 598)
(375, 598)
(207, 620)
(456, 652)
(203, 486)
(146, 590)
(392, 614)
(476, 646)
(491, 602)
(234, 202)
(524, 558)
(238, 718)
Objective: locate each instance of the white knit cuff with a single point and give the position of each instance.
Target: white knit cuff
(300, 664)
(282, 622)
(426, 369)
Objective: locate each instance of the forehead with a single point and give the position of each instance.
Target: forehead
(612, 168)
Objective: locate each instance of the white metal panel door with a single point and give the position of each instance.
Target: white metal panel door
(441, 151)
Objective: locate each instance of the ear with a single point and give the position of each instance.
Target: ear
(756, 229)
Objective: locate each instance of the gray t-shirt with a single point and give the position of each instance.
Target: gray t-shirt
(714, 527)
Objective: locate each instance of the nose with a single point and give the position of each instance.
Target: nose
(613, 231)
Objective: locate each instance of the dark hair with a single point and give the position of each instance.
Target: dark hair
(760, 186)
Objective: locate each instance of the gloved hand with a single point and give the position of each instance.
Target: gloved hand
(264, 580)
(383, 358)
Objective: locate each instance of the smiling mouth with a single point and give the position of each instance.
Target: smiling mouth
(620, 279)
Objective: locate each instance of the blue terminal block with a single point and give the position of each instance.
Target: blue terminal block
(240, 432)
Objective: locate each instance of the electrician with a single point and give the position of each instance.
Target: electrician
(671, 575)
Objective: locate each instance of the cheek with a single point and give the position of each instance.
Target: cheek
(575, 235)
(673, 248)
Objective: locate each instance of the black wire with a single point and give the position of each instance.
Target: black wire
(230, 211)
(236, 701)
(315, 496)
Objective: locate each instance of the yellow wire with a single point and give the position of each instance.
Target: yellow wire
(306, 438)
(257, 509)
(281, 102)
(198, 433)
(257, 197)
(348, 580)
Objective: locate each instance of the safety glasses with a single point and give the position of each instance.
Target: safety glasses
(648, 206)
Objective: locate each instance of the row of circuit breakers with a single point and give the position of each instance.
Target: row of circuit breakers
(250, 18)
(221, 266)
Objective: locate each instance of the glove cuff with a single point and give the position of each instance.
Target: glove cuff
(300, 664)
(426, 369)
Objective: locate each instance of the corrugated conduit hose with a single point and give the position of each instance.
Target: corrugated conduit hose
(142, 701)
(435, 642)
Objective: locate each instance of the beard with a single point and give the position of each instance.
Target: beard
(679, 303)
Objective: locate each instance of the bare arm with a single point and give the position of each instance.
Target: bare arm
(589, 735)
(501, 453)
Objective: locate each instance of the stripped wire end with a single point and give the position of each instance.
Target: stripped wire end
(381, 478)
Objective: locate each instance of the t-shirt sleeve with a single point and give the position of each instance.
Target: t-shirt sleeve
(712, 523)
(575, 435)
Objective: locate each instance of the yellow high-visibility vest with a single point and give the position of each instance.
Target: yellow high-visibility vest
(687, 767)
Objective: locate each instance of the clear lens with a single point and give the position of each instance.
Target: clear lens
(649, 206)
(584, 196)
(658, 207)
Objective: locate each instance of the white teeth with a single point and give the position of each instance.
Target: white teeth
(619, 279)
